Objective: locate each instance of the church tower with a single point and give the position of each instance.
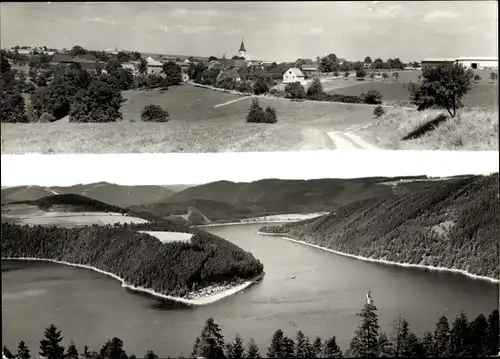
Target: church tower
(242, 52)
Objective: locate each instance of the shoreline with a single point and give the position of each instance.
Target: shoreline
(383, 261)
(212, 298)
(264, 220)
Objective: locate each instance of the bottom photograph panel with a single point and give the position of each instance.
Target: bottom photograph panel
(362, 267)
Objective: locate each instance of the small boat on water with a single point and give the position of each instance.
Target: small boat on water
(292, 277)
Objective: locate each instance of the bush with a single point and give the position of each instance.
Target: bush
(360, 74)
(378, 111)
(154, 113)
(372, 97)
(477, 78)
(270, 115)
(442, 87)
(343, 98)
(46, 118)
(273, 92)
(173, 73)
(295, 91)
(245, 86)
(154, 81)
(260, 86)
(256, 113)
(100, 102)
(385, 75)
(336, 74)
(346, 75)
(12, 107)
(226, 83)
(315, 90)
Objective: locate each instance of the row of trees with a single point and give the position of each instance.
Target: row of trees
(331, 63)
(464, 339)
(175, 268)
(412, 227)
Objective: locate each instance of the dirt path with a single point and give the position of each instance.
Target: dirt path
(350, 141)
(315, 139)
(232, 101)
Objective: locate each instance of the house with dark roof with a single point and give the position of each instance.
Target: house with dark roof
(229, 73)
(62, 59)
(309, 69)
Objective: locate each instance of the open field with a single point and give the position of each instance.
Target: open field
(471, 129)
(32, 215)
(166, 237)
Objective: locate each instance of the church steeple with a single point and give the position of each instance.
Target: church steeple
(242, 46)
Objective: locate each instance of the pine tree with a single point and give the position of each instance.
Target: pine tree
(72, 352)
(366, 339)
(288, 348)
(442, 337)
(50, 347)
(23, 351)
(256, 113)
(252, 350)
(113, 349)
(331, 349)
(401, 330)
(412, 347)
(310, 350)
(428, 345)
(460, 337)
(492, 336)
(275, 349)
(150, 355)
(384, 346)
(479, 328)
(300, 345)
(211, 341)
(235, 349)
(318, 346)
(7, 353)
(132, 356)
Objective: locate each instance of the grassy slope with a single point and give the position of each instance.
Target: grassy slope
(450, 224)
(195, 126)
(471, 129)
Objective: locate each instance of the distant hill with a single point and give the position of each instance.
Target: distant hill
(453, 223)
(71, 203)
(105, 192)
(224, 201)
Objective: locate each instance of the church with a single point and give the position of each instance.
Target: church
(242, 52)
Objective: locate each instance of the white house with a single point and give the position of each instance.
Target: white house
(294, 75)
(154, 67)
(480, 63)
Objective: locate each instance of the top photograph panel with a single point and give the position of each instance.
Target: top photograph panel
(240, 77)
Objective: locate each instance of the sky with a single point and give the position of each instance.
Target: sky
(275, 31)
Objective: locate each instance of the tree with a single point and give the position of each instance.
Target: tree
(315, 91)
(100, 102)
(256, 113)
(492, 334)
(443, 86)
(4, 64)
(212, 58)
(173, 72)
(318, 346)
(276, 349)
(460, 337)
(260, 86)
(235, 349)
(365, 341)
(252, 350)
(211, 341)
(7, 353)
(385, 75)
(154, 113)
(300, 345)
(493, 77)
(346, 75)
(12, 107)
(23, 351)
(51, 347)
(360, 73)
(479, 329)
(371, 76)
(384, 346)
(368, 60)
(372, 97)
(72, 353)
(143, 66)
(77, 50)
(150, 355)
(295, 91)
(477, 78)
(428, 346)
(122, 78)
(329, 63)
(395, 75)
(442, 337)
(245, 86)
(113, 349)
(331, 349)
(112, 65)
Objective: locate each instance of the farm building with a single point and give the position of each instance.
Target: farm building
(437, 61)
(294, 75)
(479, 63)
(310, 69)
(229, 73)
(154, 67)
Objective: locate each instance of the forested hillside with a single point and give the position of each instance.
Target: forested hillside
(142, 260)
(454, 224)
